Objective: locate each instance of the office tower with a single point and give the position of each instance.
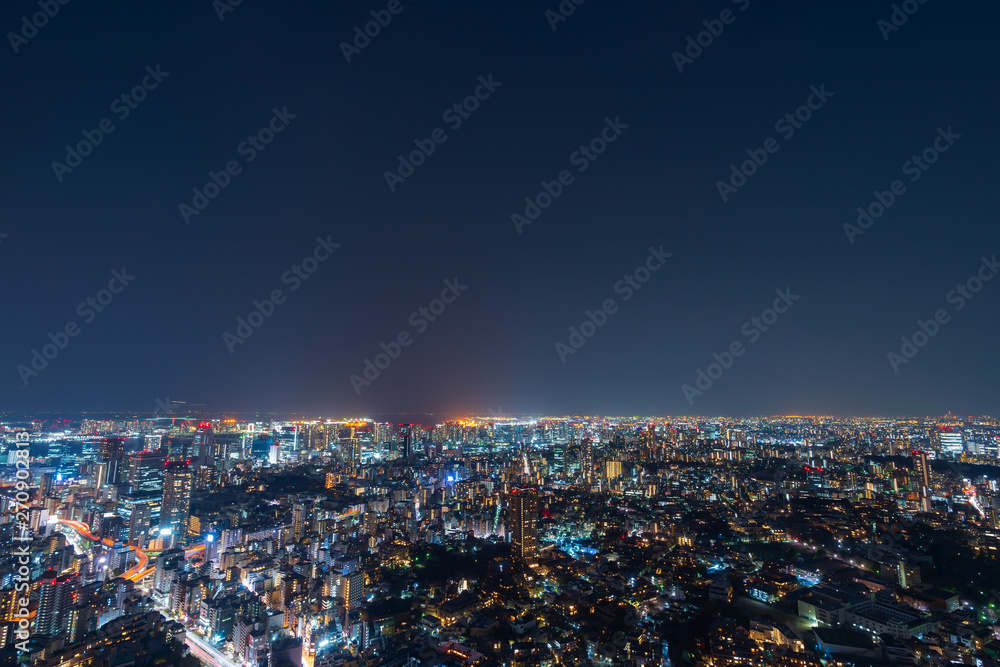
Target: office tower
(524, 523)
(203, 445)
(45, 485)
(145, 470)
(55, 597)
(612, 469)
(138, 525)
(559, 459)
(586, 456)
(921, 468)
(177, 485)
(99, 474)
(288, 442)
(951, 442)
(112, 452)
(404, 440)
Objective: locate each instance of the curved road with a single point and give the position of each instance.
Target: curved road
(137, 572)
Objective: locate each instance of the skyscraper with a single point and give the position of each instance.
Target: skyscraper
(145, 470)
(951, 442)
(303, 514)
(404, 440)
(112, 452)
(524, 523)
(55, 597)
(921, 469)
(177, 484)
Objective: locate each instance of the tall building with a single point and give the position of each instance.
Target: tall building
(138, 525)
(55, 597)
(951, 442)
(404, 440)
(45, 486)
(288, 441)
(524, 523)
(177, 485)
(303, 513)
(921, 468)
(145, 470)
(112, 452)
(99, 474)
(558, 464)
(353, 589)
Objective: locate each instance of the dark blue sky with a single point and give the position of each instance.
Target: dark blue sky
(495, 345)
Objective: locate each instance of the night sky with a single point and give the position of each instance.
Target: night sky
(608, 68)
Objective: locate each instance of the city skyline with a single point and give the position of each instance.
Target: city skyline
(625, 541)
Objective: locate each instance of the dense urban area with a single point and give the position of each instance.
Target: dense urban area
(257, 541)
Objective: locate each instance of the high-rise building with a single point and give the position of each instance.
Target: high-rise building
(112, 452)
(145, 470)
(99, 474)
(353, 589)
(177, 485)
(45, 485)
(404, 440)
(302, 518)
(952, 442)
(524, 523)
(921, 468)
(288, 441)
(138, 525)
(55, 597)
(558, 464)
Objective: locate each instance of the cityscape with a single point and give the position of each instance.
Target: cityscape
(499, 540)
(555, 333)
